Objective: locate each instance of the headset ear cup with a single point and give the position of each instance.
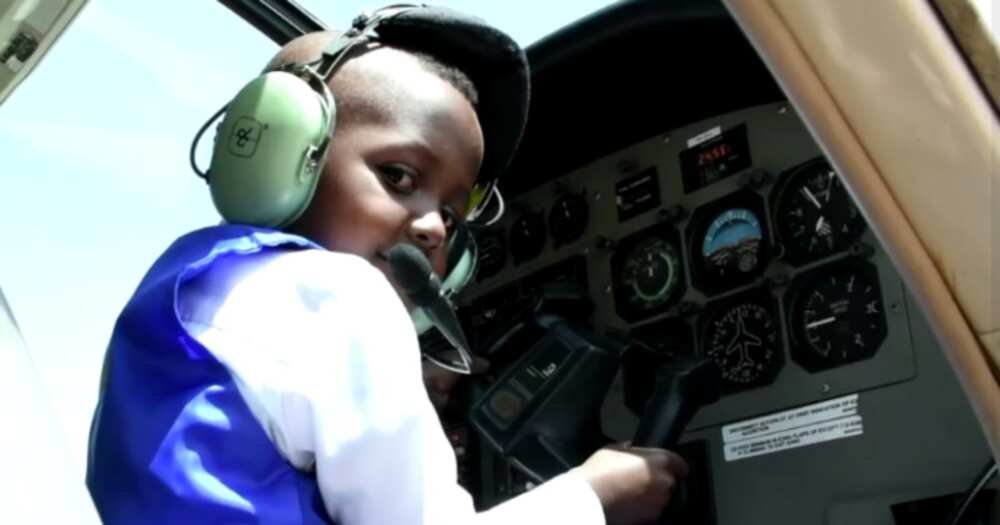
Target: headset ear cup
(462, 257)
(270, 150)
(460, 275)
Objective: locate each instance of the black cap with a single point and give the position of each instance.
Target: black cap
(494, 62)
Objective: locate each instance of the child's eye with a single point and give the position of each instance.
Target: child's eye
(400, 179)
(448, 215)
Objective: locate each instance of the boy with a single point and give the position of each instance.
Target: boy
(272, 375)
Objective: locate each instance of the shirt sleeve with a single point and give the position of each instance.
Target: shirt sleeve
(325, 355)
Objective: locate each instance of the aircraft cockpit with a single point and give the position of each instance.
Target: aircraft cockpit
(755, 207)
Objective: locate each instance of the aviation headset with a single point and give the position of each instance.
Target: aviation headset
(270, 148)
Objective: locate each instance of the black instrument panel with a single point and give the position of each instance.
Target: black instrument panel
(768, 269)
(732, 227)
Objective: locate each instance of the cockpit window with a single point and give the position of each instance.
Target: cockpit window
(975, 26)
(94, 156)
(93, 152)
(545, 17)
(990, 15)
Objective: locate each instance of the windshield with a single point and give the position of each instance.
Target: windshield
(990, 15)
(95, 160)
(526, 21)
(96, 181)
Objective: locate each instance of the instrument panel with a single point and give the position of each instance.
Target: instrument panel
(731, 238)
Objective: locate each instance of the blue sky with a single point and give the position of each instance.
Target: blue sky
(94, 147)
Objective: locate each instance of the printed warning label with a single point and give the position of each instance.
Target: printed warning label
(799, 437)
(808, 425)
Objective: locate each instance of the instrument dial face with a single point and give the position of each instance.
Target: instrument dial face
(492, 254)
(731, 244)
(527, 237)
(647, 276)
(815, 216)
(838, 317)
(651, 272)
(743, 337)
(568, 218)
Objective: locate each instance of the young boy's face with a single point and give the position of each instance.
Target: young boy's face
(404, 156)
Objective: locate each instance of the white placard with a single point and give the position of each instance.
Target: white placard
(794, 438)
(789, 419)
(705, 135)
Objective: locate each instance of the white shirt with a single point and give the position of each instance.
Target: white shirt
(326, 357)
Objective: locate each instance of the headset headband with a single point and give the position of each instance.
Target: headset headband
(363, 29)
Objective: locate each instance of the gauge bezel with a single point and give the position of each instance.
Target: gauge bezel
(483, 237)
(623, 307)
(519, 251)
(702, 219)
(786, 180)
(801, 352)
(760, 297)
(579, 227)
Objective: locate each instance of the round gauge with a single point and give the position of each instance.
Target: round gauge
(732, 243)
(646, 273)
(742, 337)
(837, 316)
(815, 215)
(651, 272)
(729, 240)
(568, 218)
(492, 254)
(527, 237)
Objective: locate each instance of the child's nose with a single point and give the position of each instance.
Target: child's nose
(428, 230)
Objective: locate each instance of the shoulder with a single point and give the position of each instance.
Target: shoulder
(287, 288)
(306, 316)
(318, 342)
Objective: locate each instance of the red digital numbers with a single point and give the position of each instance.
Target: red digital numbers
(714, 154)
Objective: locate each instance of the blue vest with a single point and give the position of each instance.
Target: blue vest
(172, 439)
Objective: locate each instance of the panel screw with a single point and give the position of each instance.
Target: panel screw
(687, 308)
(604, 243)
(779, 279)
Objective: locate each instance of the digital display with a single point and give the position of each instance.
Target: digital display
(715, 159)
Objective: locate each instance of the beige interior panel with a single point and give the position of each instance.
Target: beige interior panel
(892, 102)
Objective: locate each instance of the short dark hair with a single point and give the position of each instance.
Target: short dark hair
(449, 73)
(453, 75)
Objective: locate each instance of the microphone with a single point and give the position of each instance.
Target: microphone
(413, 273)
